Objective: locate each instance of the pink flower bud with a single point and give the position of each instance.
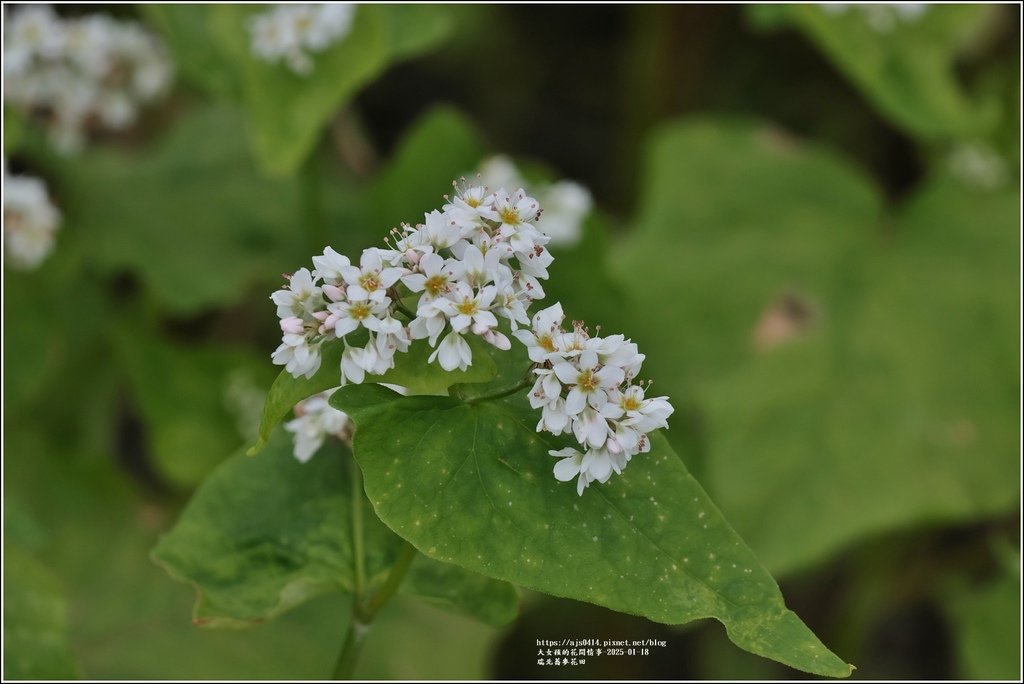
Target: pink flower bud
(333, 292)
(292, 325)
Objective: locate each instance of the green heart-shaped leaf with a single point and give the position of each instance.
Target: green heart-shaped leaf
(472, 485)
(265, 533)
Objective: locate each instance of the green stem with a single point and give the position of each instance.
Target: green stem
(379, 598)
(498, 394)
(366, 606)
(404, 309)
(350, 650)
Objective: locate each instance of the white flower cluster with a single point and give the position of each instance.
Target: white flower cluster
(479, 259)
(566, 203)
(291, 32)
(881, 17)
(30, 221)
(79, 72)
(585, 387)
(315, 420)
(977, 164)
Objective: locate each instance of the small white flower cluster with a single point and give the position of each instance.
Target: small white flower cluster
(882, 17)
(290, 32)
(585, 387)
(30, 221)
(566, 203)
(79, 72)
(479, 259)
(977, 164)
(315, 420)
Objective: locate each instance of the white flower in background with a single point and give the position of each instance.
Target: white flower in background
(30, 221)
(315, 420)
(881, 17)
(566, 203)
(289, 33)
(79, 73)
(978, 165)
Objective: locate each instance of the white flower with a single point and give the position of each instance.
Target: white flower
(346, 316)
(589, 382)
(515, 212)
(589, 426)
(75, 73)
(616, 350)
(370, 280)
(469, 210)
(429, 323)
(466, 308)
(315, 420)
(434, 278)
(289, 32)
(645, 415)
(297, 355)
(452, 353)
(478, 268)
(301, 298)
(30, 221)
(329, 266)
(569, 466)
(392, 337)
(566, 204)
(541, 340)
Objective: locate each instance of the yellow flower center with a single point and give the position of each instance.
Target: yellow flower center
(630, 403)
(509, 215)
(369, 282)
(359, 311)
(546, 343)
(468, 307)
(473, 202)
(587, 381)
(435, 285)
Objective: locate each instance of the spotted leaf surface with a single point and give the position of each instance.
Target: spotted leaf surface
(472, 485)
(265, 533)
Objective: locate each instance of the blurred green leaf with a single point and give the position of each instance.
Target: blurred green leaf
(129, 622)
(440, 146)
(986, 625)
(14, 130)
(198, 56)
(191, 217)
(872, 374)
(287, 111)
(36, 644)
(652, 527)
(265, 533)
(181, 394)
(54, 332)
(904, 64)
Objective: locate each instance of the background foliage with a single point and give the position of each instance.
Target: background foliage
(830, 299)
